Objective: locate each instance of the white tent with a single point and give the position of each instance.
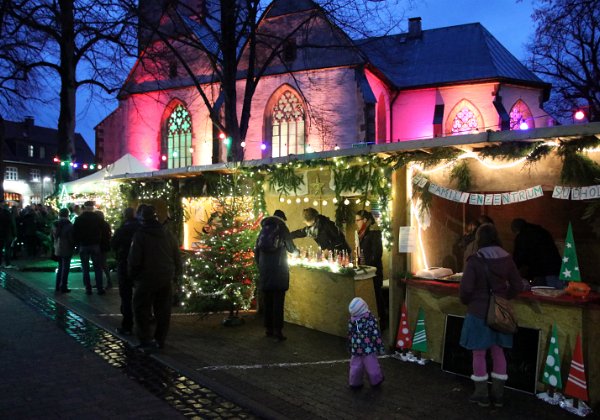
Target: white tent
(93, 183)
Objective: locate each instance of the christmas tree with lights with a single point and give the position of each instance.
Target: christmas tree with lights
(221, 274)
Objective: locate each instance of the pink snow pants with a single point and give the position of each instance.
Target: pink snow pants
(358, 364)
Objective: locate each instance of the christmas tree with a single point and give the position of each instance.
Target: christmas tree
(222, 274)
(576, 383)
(420, 338)
(569, 271)
(552, 375)
(403, 339)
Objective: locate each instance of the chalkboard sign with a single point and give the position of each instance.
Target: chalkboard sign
(522, 359)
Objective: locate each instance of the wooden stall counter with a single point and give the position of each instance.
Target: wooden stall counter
(572, 315)
(319, 299)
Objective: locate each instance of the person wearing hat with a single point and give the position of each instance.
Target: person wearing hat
(365, 342)
(87, 232)
(154, 262)
(270, 253)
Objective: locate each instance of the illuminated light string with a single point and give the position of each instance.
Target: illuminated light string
(77, 165)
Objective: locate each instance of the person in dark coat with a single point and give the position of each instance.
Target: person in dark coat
(536, 254)
(120, 243)
(371, 251)
(153, 262)
(87, 231)
(64, 245)
(274, 274)
(325, 233)
(8, 231)
(105, 248)
(491, 267)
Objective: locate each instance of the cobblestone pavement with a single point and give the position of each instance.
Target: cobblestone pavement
(302, 378)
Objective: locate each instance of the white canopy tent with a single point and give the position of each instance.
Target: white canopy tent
(94, 183)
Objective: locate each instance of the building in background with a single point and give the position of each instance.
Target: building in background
(327, 91)
(29, 161)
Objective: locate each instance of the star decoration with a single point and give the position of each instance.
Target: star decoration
(317, 187)
(566, 259)
(567, 273)
(568, 245)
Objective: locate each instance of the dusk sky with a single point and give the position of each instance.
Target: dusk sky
(508, 20)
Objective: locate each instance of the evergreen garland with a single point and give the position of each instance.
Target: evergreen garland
(462, 175)
(284, 180)
(508, 151)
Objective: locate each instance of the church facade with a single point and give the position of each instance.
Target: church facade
(336, 94)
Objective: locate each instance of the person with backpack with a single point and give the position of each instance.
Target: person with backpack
(325, 233)
(273, 243)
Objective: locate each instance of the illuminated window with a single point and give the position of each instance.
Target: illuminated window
(287, 119)
(520, 116)
(30, 150)
(35, 175)
(464, 119)
(179, 138)
(11, 174)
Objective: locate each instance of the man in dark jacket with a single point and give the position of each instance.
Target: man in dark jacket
(8, 230)
(325, 233)
(536, 254)
(274, 272)
(154, 263)
(120, 243)
(87, 232)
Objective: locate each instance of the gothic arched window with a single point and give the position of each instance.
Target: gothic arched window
(464, 119)
(179, 138)
(287, 125)
(520, 116)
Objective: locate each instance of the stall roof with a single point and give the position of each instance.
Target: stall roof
(468, 141)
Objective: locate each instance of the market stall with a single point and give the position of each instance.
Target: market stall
(572, 315)
(319, 298)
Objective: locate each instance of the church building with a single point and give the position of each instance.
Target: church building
(322, 91)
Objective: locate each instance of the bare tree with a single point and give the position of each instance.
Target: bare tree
(84, 42)
(566, 50)
(222, 42)
(18, 82)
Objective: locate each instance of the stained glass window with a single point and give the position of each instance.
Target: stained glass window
(520, 116)
(179, 138)
(288, 136)
(464, 119)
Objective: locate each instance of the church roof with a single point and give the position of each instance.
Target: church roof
(445, 56)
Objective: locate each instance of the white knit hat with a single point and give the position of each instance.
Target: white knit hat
(358, 307)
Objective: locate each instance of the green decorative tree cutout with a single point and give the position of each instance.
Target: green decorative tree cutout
(569, 270)
(420, 336)
(552, 375)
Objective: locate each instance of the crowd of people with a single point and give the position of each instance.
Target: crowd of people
(25, 232)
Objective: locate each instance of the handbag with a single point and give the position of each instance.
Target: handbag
(500, 315)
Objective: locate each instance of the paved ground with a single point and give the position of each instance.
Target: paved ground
(301, 378)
